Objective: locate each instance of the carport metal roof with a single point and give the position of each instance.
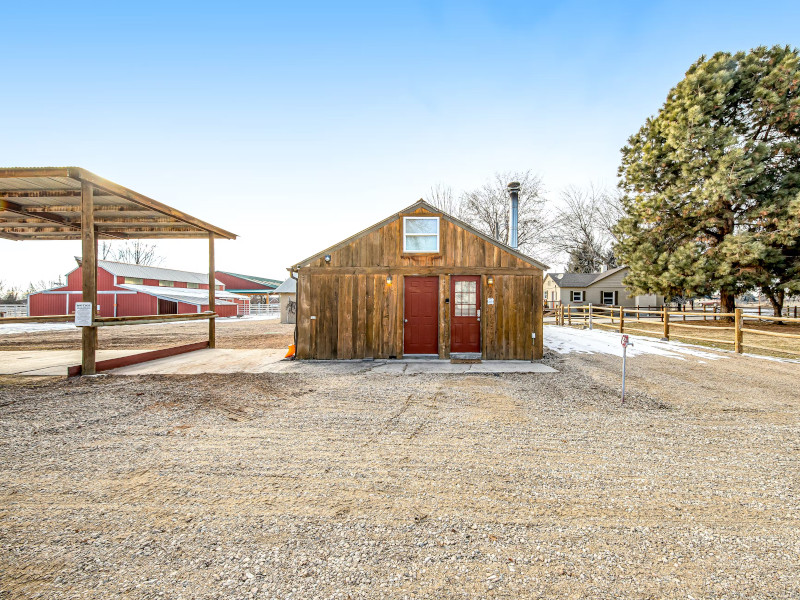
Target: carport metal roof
(44, 203)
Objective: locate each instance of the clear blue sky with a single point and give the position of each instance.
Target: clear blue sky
(301, 123)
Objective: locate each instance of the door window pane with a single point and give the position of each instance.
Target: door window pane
(466, 299)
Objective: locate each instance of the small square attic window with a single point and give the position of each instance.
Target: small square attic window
(421, 234)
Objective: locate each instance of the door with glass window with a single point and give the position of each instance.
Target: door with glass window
(465, 314)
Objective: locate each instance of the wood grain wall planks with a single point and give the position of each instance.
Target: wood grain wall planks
(359, 315)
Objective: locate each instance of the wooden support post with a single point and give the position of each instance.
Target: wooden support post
(212, 298)
(621, 320)
(569, 314)
(738, 330)
(89, 276)
(665, 317)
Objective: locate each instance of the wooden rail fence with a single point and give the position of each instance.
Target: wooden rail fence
(675, 324)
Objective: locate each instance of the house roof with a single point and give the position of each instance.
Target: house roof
(146, 272)
(254, 279)
(187, 295)
(287, 287)
(581, 280)
(44, 203)
(430, 208)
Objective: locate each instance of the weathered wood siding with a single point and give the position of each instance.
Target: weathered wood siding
(347, 310)
(384, 248)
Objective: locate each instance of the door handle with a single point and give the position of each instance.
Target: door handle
(405, 320)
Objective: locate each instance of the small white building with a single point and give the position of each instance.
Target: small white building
(605, 288)
(287, 291)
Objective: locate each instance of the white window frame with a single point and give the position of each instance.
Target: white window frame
(193, 286)
(603, 298)
(165, 283)
(573, 293)
(438, 236)
(133, 280)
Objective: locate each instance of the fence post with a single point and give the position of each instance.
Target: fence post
(569, 314)
(591, 314)
(738, 330)
(666, 322)
(621, 320)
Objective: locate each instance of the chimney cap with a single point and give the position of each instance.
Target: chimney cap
(514, 186)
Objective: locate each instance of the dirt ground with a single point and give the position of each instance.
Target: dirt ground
(231, 333)
(383, 486)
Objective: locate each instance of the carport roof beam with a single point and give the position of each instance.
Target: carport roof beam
(43, 203)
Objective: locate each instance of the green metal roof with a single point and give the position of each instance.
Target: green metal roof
(253, 278)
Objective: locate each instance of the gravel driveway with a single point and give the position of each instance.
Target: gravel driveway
(382, 486)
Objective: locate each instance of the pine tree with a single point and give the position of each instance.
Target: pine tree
(712, 183)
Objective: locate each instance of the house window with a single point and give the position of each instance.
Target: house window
(608, 298)
(421, 234)
(134, 280)
(219, 287)
(193, 286)
(165, 283)
(577, 296)
(466, 299)
(545, 295)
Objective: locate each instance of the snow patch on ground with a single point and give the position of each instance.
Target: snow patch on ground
(11, 328)
(249, 318)
(565, 340)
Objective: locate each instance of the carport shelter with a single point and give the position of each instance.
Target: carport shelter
(69, 203)
(419, 283)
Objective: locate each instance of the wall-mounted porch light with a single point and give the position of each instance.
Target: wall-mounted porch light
(388, 280)
(327, 258)
(490, 280)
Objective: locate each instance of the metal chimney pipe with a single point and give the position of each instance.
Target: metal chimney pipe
(513, 189)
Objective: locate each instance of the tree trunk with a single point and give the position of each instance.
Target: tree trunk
(727, 302)
(776, 298)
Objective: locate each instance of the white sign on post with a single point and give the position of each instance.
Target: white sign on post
(83, 314)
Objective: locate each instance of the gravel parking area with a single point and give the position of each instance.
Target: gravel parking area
(383, 486)
(231, 333)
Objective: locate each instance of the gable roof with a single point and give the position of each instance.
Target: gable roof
(422, 204)
(145, 272)
(287, 287)
(580, 280)
(253, 278)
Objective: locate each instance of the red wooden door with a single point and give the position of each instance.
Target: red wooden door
(421, 331)
(465, 316)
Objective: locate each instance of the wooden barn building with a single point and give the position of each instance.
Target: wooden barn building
(419, 283)
(125, 290)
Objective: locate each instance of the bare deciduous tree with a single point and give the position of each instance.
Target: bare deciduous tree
(582, 228)
(442, 197)
(136, 252)
(488, 209)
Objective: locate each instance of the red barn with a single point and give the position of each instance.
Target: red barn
(125, 290)
(256, 288)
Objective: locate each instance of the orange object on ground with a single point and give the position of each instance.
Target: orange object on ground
(290, 352)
